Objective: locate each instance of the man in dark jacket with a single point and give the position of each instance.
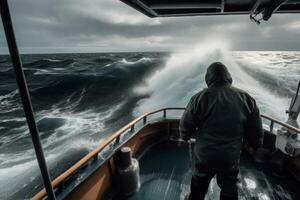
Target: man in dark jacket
(222, 118)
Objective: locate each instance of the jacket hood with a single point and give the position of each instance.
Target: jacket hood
(217, 73)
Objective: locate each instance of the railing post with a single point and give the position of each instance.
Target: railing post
(165, 113)
(169, 129)
(132, 128)
(24, 94)
(144, 120)
(271, 126)
(118, 139)
(95, 158)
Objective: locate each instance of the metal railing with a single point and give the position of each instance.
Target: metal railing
(275, 121)
(116, 137)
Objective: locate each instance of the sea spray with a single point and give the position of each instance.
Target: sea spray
(183, 76)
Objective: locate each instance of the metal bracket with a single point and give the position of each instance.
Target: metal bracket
(255, 12)
(266, 11)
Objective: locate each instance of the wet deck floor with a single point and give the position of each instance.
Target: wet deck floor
(165, 175)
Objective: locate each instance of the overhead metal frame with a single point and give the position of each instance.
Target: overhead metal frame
(174, 8)
(25, 96)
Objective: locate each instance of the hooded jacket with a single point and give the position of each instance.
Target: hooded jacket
(223, 118)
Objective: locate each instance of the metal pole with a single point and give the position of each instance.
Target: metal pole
(25, 97)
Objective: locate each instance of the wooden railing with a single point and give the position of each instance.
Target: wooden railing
(93, 154)
(116, 137)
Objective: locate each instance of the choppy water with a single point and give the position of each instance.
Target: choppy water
(79, 99)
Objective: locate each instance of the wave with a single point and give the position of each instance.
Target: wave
(15, 175)
(9, 103)
(43, 63)
(183, 76)
(271, 81)
(128, 62)
(104, 60)
(280, 74)
(72, 110)
(9, 95)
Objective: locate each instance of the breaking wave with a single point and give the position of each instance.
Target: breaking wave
(183, 76)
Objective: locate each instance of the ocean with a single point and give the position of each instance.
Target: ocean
(80, 99)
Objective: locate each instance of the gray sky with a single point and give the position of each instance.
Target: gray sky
(55, 26)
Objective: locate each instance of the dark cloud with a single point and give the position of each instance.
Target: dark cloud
(109, 25)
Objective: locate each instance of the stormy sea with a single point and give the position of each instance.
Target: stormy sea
(80, 99)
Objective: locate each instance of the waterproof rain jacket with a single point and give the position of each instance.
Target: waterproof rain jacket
(223, 118)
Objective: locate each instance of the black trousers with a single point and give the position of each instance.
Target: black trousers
(226, 180)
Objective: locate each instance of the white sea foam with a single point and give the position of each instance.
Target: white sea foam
(9, 95)
(183, 76)
(52, 60)
(143, 59)
(12, 177)
(80, 132)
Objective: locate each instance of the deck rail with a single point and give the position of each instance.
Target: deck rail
(116, 137)
(274, 121)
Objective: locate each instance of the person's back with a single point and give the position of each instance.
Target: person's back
(222, 118)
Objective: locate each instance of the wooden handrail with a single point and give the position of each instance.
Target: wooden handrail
(60, 179)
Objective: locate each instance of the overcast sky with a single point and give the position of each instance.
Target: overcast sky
(55, 26)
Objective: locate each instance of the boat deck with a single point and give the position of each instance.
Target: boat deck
(165, 174)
